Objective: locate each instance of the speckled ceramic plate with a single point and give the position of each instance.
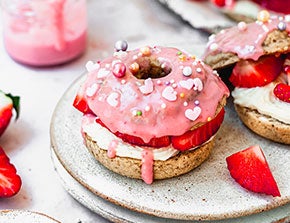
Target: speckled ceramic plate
(207, 193)
(24, 216)
(118, 214)
(204, 15)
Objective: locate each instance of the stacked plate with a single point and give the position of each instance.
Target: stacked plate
(207, 193)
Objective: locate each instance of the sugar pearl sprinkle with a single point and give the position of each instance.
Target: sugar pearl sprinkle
(187, 71)
(134, 67)
(121, 45)
(242, 26)
(213, 47)
(281, 26)
(263, 16)
(145, 51)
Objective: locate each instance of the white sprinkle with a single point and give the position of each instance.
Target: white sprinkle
(147, 108)
(163, 105)
(287, 18)
(187, 71)
(123, 81)
(92, 90)
(135, 57)
(198, 70)
(103, 72)
(91, 66)
(174, 85)
(185, 104)
(213, 47)
(265, 28)
(242, 26)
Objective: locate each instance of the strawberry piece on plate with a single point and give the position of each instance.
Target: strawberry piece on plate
(10, 182)
(250, 169)
(282, 91)
(8, 102)
(250, 73)
(199, 135)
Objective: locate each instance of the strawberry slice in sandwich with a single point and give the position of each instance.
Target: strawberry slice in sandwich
(255, 58)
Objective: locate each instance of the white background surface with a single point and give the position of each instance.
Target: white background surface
(27, 141)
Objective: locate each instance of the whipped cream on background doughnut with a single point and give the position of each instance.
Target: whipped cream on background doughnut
(263, 100)
(188, 93)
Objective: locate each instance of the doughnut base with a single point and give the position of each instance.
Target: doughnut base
(265, 126)
(177, 165)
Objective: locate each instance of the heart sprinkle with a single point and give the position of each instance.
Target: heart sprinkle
(169, 94)
(91, 66)
(112, 99)
(192, 114)
(148, 87)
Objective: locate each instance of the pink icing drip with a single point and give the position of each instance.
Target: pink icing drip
(112, 149)
(147, 166)
(161, 119)
(247, 43)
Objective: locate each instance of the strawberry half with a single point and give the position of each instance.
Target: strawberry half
(10, 182)
(282, 91)
(250, 73)
(250, 169)
(80, 102)
(8, 102)
(199, 135)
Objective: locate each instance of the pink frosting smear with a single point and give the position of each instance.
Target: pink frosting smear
(246, 40)
(153, 107)
(45, 33)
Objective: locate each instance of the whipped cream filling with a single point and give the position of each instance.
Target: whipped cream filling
(103, 137)
(263, 100)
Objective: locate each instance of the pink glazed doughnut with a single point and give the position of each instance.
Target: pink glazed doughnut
(149, 98)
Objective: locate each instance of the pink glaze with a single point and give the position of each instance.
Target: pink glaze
(246, 41)
(112, 149)
(44, 33)
(147, 166)
(149, 108)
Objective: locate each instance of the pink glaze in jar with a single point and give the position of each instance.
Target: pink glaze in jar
(44, 32)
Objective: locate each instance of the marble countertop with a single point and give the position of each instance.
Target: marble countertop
(27, 141)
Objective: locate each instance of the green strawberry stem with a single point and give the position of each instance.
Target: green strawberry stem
(16, 103)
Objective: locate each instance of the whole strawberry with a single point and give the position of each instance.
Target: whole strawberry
(10, 182)
(8, 102)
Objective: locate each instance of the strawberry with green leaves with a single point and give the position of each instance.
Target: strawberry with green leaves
(10, 182)
(251, 170)
(8, 103)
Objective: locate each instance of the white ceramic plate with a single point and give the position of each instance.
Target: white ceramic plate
(116, 213)
(24, 216)
(204, 15)
(207, 193)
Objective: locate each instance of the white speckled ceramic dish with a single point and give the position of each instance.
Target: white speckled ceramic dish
(207, 193)
(118, 214)
(24, 216)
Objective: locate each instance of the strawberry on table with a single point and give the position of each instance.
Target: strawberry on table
(250, 73)
(10, 182)
(250, 169)
(8, 102)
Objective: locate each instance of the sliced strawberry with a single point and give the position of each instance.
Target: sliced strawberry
(199, 135)
(80, 102)
(10, 182)
(8, 102)
(223, 3)
(250, 169)
(282, 91)
(250, 73)
(154, 142)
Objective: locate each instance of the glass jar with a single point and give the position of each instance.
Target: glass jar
(44, 32)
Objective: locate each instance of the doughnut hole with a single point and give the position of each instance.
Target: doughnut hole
(152, 68)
